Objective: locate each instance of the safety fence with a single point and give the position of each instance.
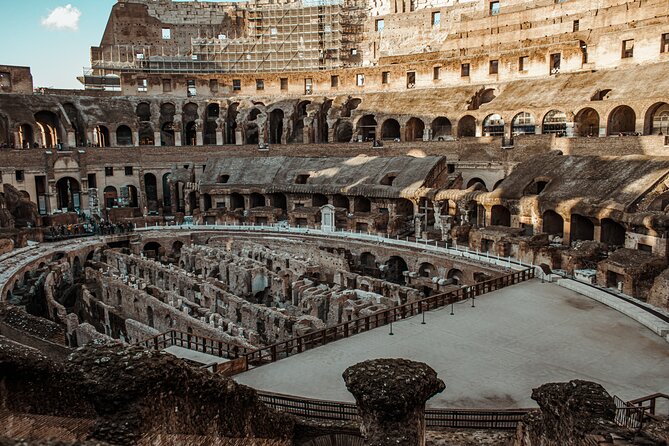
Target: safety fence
(341, 411)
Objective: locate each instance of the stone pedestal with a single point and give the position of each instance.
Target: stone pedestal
(391, 396)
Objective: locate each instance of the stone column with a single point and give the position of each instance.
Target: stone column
(157, 139)
(135, 138)
(391, 396)
(71, 139)
(219, 138)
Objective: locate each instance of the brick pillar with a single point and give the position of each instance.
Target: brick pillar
(157, 139)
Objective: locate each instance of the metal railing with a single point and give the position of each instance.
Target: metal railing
(434, 417)
(628, 415)
(298, 344)
(380, 318)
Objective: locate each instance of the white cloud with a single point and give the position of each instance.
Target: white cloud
(63, 18)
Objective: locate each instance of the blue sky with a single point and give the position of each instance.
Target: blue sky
(56, 45)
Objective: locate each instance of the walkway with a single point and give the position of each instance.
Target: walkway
(491, 356)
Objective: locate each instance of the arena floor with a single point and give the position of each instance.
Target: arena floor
(491, 356)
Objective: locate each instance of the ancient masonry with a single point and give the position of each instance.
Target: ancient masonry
(250, 180)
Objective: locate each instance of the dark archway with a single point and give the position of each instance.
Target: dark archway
(167, 194)
(143, 112)
(362, 204)
(390, 129)
(586, 123)
(441, 128)
(582, 228)
(236, 201)
(210, 125)
(110, 197)
(133, 196)
(467, 127)
(256, 200)
(500, 216)
(123, 136)
(613, 233)
(318, 200)
(151, 191)
(77, 122)
(340, 201)
(427, 269)
(69, 194)
(622, 121)
(167, 134)
(474, 181)
(280, 201)
(414, 130)
(190, 134)
(367, 127)
(395, 268)
(456, 276)
(252, 134)
(232, 123)
(553, 223)
(167, 112)
(275, 126)
(146, 137)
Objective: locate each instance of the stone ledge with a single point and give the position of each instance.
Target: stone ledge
(654, 323)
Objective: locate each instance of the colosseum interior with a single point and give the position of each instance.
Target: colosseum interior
(212, 241)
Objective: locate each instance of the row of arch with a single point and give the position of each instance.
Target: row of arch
(586, 122)
(47, 130)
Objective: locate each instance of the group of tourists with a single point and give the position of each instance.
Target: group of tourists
(61, 232)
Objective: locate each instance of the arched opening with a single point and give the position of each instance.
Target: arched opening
(190, 134)
(622, 121)
(657, 119)
(26, 137)
(367, 127)
(500, 216)
(151, 191)
(232, 123)
(275, 126)
(252, 133)
(176, 248)
(414, 130)
(318, 200)
(368, 262)
(133, 196)
(441, 128)
(167, 112)
(110, 197)
(146, 134)
(362, 204)
(497, 184)
(123, 136)
(167, 194)
(344, 131)
(536, 187)
(427, 269)
(323, 128)
(49, 128)
(101, 136)
(553, 223)
(298, 122)
(555, 121)
(456, 276)
(613, 233)
(522, 124)
(143, 112)
(395, 268)
(210, 125)
(77, 269)
(119, 298)
(206, 201)
(236, 201)
(582, 228)
(280, 201)
(467, 127)
(404, 207)
(152, 249)
(477, 181)
(167, 134)
(69, 194)
(586, 123)
(340, 201)
(6, 139)
(493, 125)
(256, 200)
(390, 129)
